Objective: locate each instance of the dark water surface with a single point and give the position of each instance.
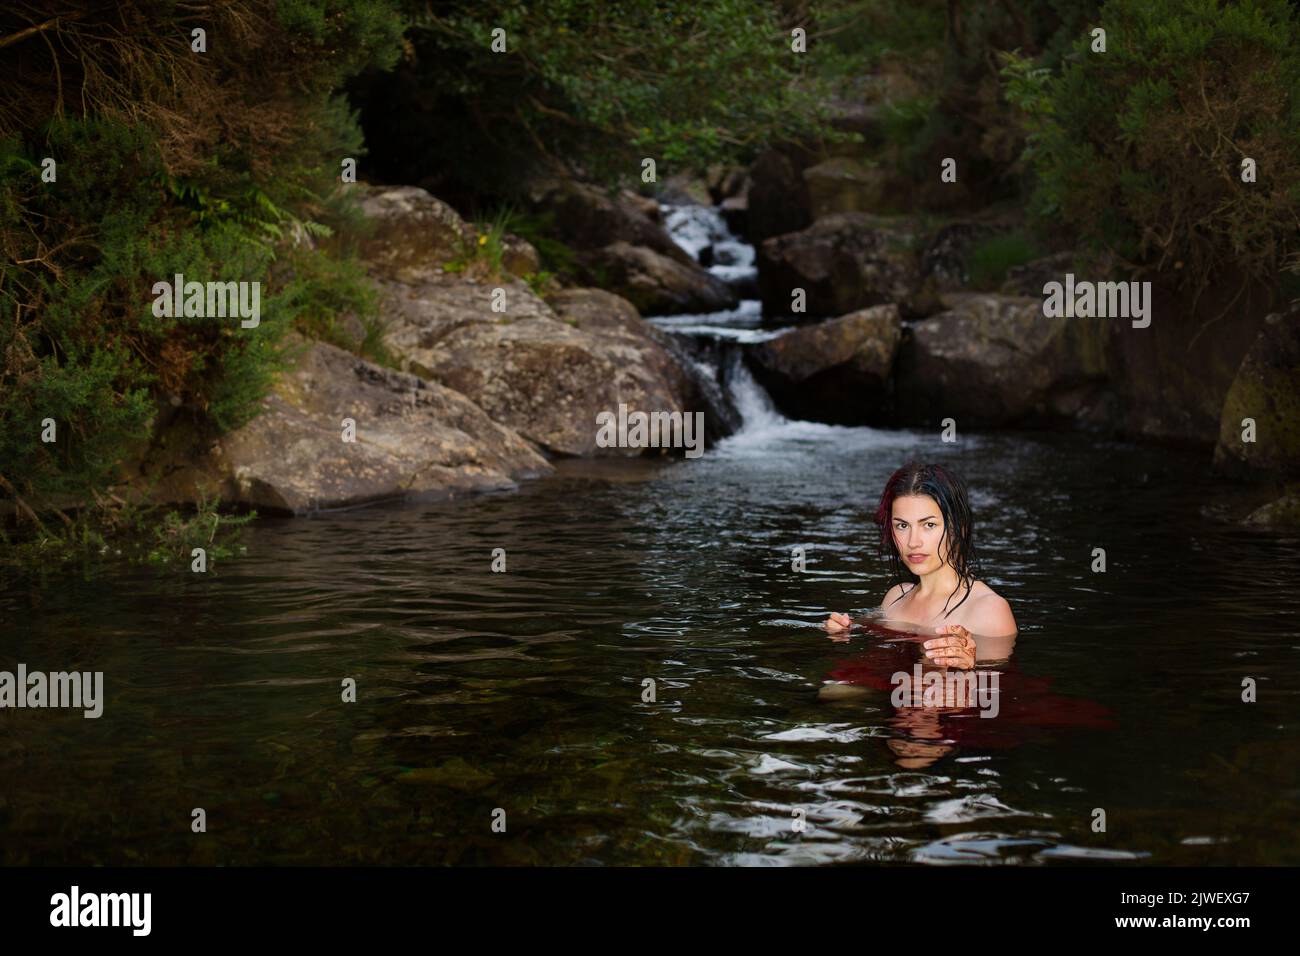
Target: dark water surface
(523, 691)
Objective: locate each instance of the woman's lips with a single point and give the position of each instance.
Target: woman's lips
(916, 558)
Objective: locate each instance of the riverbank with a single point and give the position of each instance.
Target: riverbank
(497, 375)
(833, 274)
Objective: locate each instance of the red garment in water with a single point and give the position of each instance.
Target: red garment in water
(1027, 709)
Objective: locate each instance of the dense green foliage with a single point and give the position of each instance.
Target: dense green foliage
(220, 165)
(949, 102)
(1139, 149)
(992, 258)
(589, 87)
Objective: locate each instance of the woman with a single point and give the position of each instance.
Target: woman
(926, 533)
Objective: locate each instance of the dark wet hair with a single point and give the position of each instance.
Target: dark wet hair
(949, 493)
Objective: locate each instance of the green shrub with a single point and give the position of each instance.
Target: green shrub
(859, 34)
(589, 86)
(1138, 150)
(903, 122)
(321, 292)
(220, 167)
(991, 259)
(556, 256)
(177, 535)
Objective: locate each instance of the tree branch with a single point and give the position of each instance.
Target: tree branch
(32, 31)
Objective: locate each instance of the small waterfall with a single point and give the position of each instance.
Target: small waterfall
(703, 233)
(715, 341)
(752, 402)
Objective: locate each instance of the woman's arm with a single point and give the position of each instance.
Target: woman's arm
(990, 634)
(991, 617)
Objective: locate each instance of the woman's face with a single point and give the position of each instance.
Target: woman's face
(918, 533)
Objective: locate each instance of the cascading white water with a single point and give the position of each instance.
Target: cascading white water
(755, 406)
(764, 435)
(695, 228)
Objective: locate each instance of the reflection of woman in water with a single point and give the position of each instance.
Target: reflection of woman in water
(922, 730)
(927, 536)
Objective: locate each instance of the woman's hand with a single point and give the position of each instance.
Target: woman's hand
(955, 649)
(838, 622)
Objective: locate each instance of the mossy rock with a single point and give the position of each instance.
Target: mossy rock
(1266, 392)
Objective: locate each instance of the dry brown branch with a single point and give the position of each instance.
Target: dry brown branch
(22, 505)
(32, 31)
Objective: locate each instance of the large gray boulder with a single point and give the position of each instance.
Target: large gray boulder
(648, 352)
(846, 184)
(413, 439)
(408, 233)
(837, 371)
(655, 283)
(545, 376)
(843, 262)
(993, 360)
(587, 217)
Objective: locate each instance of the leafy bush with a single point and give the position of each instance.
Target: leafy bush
(557, 257)
(177, 535)
(992, 258)
(859, 34)
(592, 88)
(330, 299)
(903, 122)
(218, 166)
(1138, 150)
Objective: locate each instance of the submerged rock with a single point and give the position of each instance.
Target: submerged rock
(837, 371)
(1280, 515)
(839, 690)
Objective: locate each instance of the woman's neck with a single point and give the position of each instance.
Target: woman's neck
(940, 582)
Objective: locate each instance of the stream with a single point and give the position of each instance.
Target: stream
(522, 696)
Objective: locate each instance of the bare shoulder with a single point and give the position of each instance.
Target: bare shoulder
(990, 614)
(892, 595)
